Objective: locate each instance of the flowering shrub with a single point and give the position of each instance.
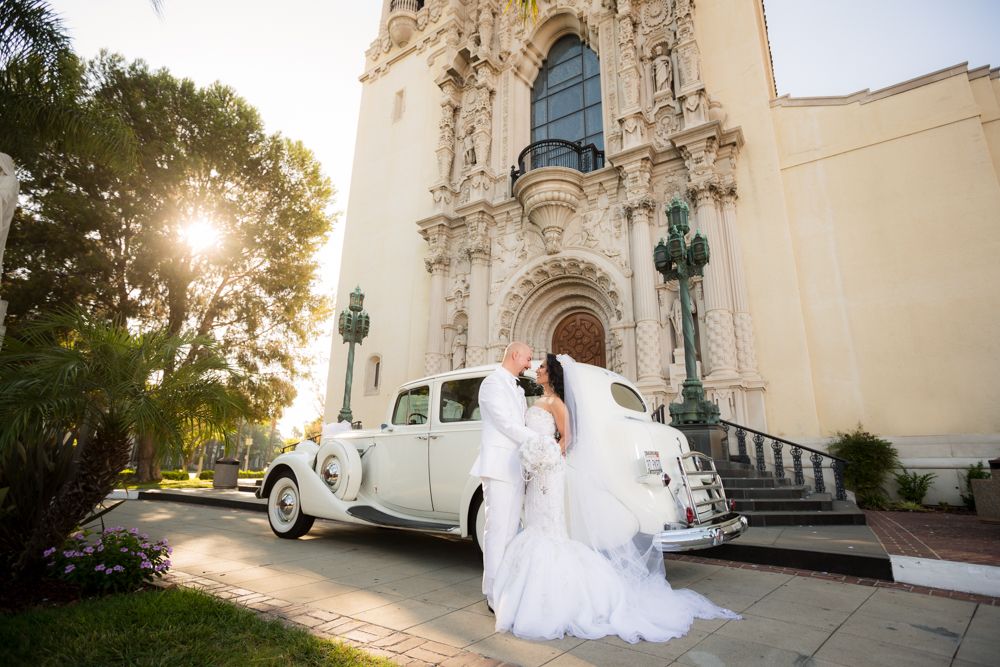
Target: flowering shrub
(115, 560)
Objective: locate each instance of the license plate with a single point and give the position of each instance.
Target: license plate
(653, 464)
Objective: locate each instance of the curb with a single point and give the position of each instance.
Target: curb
(227, 503)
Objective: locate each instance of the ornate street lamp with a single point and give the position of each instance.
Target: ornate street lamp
(353, 325)
(676, 260)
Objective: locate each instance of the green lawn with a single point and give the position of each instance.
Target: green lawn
(162, 627)
(173, 484)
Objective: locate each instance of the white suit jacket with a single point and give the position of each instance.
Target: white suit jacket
(502, 406)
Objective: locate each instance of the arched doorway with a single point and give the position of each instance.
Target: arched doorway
(581, 335)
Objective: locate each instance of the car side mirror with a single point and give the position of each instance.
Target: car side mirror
(385, 427)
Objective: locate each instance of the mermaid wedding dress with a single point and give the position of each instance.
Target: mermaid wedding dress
(550, 585)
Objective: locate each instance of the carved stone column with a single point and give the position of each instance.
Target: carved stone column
(718, 313)
(478, 249)
(746, 355)
(647, 321)
(446, 133)
(437, 265)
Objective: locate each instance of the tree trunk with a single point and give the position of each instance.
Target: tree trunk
(201, 459)
(148, 466)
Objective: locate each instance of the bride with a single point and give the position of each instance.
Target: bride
(572, 570)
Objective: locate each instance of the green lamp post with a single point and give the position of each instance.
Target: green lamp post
(353, 325)
(677, 260)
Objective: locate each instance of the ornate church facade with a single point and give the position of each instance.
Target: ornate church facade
(510, 183)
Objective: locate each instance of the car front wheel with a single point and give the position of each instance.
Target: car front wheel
(284, 508)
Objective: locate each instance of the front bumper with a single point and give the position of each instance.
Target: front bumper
(724, 529)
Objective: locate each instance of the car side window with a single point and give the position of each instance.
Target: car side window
(532, 390)
(411, 406)
(460, 400)
(626, 397)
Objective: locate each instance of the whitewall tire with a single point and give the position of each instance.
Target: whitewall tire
(284, 508)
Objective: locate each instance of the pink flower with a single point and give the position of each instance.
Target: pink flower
(69, 568)
(124, 550)
(48, 552)
(88, 550)
(99, 567)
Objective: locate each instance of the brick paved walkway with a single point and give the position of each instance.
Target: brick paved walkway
(400, 647)
(939, 535)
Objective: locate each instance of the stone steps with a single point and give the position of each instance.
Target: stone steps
(768, 501)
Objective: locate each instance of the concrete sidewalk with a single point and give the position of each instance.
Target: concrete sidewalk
(416, 598)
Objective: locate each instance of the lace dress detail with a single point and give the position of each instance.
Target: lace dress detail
(549, 585)
(543, 499)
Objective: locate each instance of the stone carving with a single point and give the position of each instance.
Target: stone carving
(477, 239)
(437, 253)
(446, 140)
(663, 72)
(485, 30)
(666, 125)
(629, 63)
(9, 188)
(458, 349)
(477, 114)
(655, 13)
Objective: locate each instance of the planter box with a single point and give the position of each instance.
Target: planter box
(987, 495)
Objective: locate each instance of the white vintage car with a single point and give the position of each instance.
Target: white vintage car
(413, 472)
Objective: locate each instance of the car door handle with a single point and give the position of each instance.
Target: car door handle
(428, 437)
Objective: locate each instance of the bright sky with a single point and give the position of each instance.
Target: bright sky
(298, 62)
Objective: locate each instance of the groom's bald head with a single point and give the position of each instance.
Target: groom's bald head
(517, 357)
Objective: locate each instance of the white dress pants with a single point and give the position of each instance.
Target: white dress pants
(502, 502)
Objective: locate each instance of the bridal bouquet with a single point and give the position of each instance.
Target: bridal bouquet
(539, 454)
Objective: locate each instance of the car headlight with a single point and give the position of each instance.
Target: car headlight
(331, 472)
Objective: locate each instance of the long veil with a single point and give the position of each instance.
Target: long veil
(593, 513)
(598, 519)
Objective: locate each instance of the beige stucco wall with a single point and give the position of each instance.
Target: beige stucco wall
(393, 168)
(893, 203)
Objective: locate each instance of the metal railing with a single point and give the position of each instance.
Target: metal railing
(817, 458)
(405, 5)
(557, 153)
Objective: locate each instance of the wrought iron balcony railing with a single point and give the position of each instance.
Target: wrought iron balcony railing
(557, 153)
(821, 461)
(406, 5)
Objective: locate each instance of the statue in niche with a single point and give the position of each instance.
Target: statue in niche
(675, 320)
(663, 71)
(458, 349)
(469, 148)
(9, 188)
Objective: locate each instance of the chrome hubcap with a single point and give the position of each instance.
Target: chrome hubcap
(286, 505)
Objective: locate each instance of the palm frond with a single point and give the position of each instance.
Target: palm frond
(31, 28)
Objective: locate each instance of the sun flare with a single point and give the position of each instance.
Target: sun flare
(200, 235)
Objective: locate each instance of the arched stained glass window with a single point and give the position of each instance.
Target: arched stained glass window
(566, 96)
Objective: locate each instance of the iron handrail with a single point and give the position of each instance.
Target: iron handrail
(787, 442)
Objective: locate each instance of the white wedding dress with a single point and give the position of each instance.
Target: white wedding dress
(549, 585)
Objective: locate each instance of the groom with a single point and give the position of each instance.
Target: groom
(502, 406)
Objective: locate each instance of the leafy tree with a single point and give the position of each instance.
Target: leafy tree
(215, 231)
(75, 393)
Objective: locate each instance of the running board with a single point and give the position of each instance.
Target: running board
(379, 518)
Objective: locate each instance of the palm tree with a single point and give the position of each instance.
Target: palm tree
(71, 383)
(41, 82)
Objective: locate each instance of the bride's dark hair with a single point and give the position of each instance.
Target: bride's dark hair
(555, 370)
